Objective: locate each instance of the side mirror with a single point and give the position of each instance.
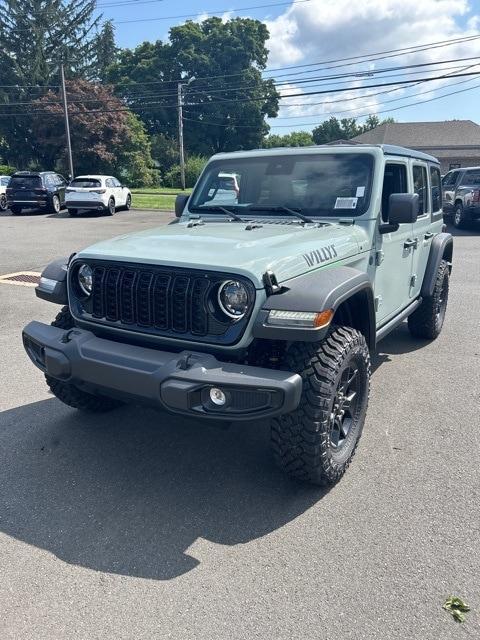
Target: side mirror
(403, 208)
(180, 203)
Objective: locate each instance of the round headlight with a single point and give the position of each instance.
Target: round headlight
(233, 299)
(85, 279)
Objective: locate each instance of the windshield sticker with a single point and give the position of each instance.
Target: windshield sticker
(346, 203)
(320, 255)
(360, 192)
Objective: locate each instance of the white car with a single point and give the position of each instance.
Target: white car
(4, 180)
(101, 193)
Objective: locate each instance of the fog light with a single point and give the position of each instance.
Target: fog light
(217, 397)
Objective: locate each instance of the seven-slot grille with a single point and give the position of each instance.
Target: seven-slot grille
(164, 300)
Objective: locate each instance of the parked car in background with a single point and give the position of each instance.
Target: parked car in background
(461, 195)
(101, 193)
(4, 180)
(43, 190)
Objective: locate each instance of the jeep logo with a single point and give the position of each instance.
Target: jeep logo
(320, 255)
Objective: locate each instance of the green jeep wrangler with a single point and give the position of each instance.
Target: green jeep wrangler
(265, 300)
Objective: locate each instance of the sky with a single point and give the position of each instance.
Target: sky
(303, 32)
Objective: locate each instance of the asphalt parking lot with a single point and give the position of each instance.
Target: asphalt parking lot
(139, 525)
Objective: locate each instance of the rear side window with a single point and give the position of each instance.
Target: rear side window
(471, 177)
(420, 186)
(436, 189)
(85, 183)
(25, 182)
(109, 182)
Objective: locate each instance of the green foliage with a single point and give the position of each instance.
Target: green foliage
(110, 141)
(106, 51)
(457, 607)
(164, 151)
(6, 170)
(230, 54)
(193, 168)
(344, 129)
(293, 139)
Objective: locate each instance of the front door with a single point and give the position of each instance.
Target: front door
(394, 250)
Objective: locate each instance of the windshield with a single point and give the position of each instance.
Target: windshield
(322, 185)
(85, 183)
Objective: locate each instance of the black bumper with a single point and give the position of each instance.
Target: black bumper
(180, 382)
(85, 204)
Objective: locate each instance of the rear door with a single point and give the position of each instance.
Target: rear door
(120, 192)
(426, 184)
(25, 189)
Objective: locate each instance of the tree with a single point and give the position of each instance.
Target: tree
(106, 51)
(106, 137)
(292, 139)
(35, 38)
(344, 129)
(226, 105)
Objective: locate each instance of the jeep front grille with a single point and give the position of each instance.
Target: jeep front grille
(173, 302)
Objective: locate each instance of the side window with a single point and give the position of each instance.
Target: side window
(116, 182)
(109, 182)
(49, 181)
(471, 177)
(420, 186)
(436, 189)
(394, 181)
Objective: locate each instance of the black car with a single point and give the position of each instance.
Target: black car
(43, 190)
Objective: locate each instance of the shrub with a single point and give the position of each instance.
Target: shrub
(6, 170)
(193, 168)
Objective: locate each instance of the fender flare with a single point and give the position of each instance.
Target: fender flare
(442, 245)
(317, 291)
(53, 282)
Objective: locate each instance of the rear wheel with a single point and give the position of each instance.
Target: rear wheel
(16, 210)
(427, 321)
(3, 202)
(71, 395)
(128, 203)
(56, 206)
(111, 207)
(459, 217)
(317, 441)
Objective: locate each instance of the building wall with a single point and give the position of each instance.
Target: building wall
(453, 162)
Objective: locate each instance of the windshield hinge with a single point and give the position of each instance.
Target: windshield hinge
(271, 283)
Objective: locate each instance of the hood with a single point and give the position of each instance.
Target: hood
(288, 250)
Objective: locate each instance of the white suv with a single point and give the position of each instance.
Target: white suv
(103, 193)
(4, 180)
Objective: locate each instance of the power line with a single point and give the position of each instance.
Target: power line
(309, 124)
(328, 91)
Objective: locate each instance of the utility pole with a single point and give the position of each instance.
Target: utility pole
(67, 124)
(180, 130)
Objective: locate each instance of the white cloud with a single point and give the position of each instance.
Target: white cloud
(323, 30)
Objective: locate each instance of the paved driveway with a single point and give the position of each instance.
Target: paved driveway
(138, 524)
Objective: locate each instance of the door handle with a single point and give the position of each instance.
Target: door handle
(428, 235)
(411, 243)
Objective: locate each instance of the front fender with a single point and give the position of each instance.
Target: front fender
(441, 247)
(317, 291)
(53, 282)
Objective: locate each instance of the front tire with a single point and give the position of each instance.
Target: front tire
(316, 442)
(16, 210)
(71, 395)
(427, 321)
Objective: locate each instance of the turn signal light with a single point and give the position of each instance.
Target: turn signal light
(307, 319)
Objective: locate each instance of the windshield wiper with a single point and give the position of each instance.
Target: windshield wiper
(292, 212)
(219, 208)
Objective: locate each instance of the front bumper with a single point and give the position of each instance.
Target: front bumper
(180, 382)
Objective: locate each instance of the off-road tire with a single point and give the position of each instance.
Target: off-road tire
(302, 441)
(3, 202)
(69, 394)
(427, 320)
(16, 210)
(459, 219)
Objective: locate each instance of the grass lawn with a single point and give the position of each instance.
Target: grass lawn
(161, 198)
